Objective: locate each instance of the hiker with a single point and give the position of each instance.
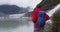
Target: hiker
(39, 17)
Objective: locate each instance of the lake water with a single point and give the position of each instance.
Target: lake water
(16, 25)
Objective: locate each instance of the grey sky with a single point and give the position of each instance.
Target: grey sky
(21, 3)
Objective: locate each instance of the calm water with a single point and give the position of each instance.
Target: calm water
(16, 25)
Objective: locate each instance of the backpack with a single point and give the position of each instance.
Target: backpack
(41, 18)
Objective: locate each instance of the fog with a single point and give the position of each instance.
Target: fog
(23, 24)
(21, 3)
(10, 23)
(19, 24)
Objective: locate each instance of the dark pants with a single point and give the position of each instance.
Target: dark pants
(39, 30)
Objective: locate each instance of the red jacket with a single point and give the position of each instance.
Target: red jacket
(35, 15)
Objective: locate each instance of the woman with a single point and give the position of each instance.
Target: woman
(35, 17)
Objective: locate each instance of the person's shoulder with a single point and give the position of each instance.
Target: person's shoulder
(42, 11)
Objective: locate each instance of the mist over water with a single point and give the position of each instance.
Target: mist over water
(16, 25)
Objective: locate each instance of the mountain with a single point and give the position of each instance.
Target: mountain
(47, 5)
(28, 14)
(56, 21)
(12, 9)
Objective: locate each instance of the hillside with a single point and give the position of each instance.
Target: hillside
(47, 5)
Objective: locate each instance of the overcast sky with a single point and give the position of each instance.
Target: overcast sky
(21, 3)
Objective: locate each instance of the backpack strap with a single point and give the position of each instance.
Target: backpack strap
(41, 18)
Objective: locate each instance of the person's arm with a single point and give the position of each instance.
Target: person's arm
(35, 14)
(34, 17)
(47, 17)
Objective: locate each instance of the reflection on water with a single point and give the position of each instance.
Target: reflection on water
(16, 25)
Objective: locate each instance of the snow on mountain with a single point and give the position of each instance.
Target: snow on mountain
(51, 12)
(16, 15)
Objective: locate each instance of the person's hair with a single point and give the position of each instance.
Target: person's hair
(38, 6)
